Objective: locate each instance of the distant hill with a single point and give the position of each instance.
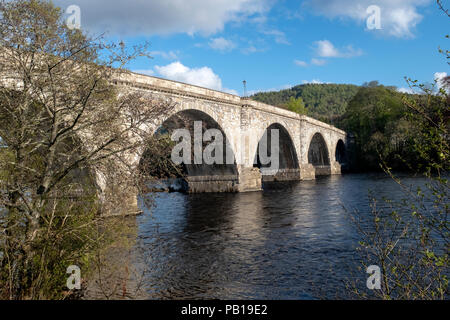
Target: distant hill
(325, 102)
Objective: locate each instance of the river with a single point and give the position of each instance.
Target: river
(290, 241)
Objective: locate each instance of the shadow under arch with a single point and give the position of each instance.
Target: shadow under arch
(287, 168)
(341, 152)
(193, 177)
(318, 155)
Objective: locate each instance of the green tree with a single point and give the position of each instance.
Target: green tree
(61, 121)
(409, 240)
(372, 117)
(297, 105)
(326, 102)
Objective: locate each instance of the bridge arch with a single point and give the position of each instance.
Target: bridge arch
(318, 155)
(287, 166)
(341, 152)
(223, 117)
(197, 177)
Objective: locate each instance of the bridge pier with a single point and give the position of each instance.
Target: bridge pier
(219, 183)
(125, 205)
(307, 172)
(117, 194)
(323, 170)
(250, 179)
(310, 172)
(336, 168)
(283, 175)
(129, 207)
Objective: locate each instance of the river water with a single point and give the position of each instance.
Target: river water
(290, 241)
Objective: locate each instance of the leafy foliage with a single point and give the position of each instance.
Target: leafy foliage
(409, 240)
(325, 102)
(62, 124)
(156, 161)
(376, 117)
(297, 105)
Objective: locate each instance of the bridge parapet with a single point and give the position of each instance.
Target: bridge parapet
(140, 81)
(324, 125)
(270, 109)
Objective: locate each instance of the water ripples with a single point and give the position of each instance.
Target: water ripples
(291, 241)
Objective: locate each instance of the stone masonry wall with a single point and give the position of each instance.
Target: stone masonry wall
(244, 122)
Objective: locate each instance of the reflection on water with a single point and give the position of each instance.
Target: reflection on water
(291, 241)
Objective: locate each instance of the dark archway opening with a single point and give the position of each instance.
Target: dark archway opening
(341, 153)
(287, 168)
(193, 177)
(318, 156)
(318, 151)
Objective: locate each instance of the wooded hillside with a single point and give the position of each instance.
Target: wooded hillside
(324, 102)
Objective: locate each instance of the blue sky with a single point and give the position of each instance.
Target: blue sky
(274, 44)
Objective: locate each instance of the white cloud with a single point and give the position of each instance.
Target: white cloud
(325, 49)
(252, 49)
(203, 77)
(399, 18)
(314, 81)
(301, 63)
(406, 90)
(171, 55)
(230, 91)
(318, 62)
(280, 37)
(440, 77)
(222, 44)
(139, 17)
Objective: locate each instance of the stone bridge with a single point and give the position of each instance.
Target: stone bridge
(308, 147)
